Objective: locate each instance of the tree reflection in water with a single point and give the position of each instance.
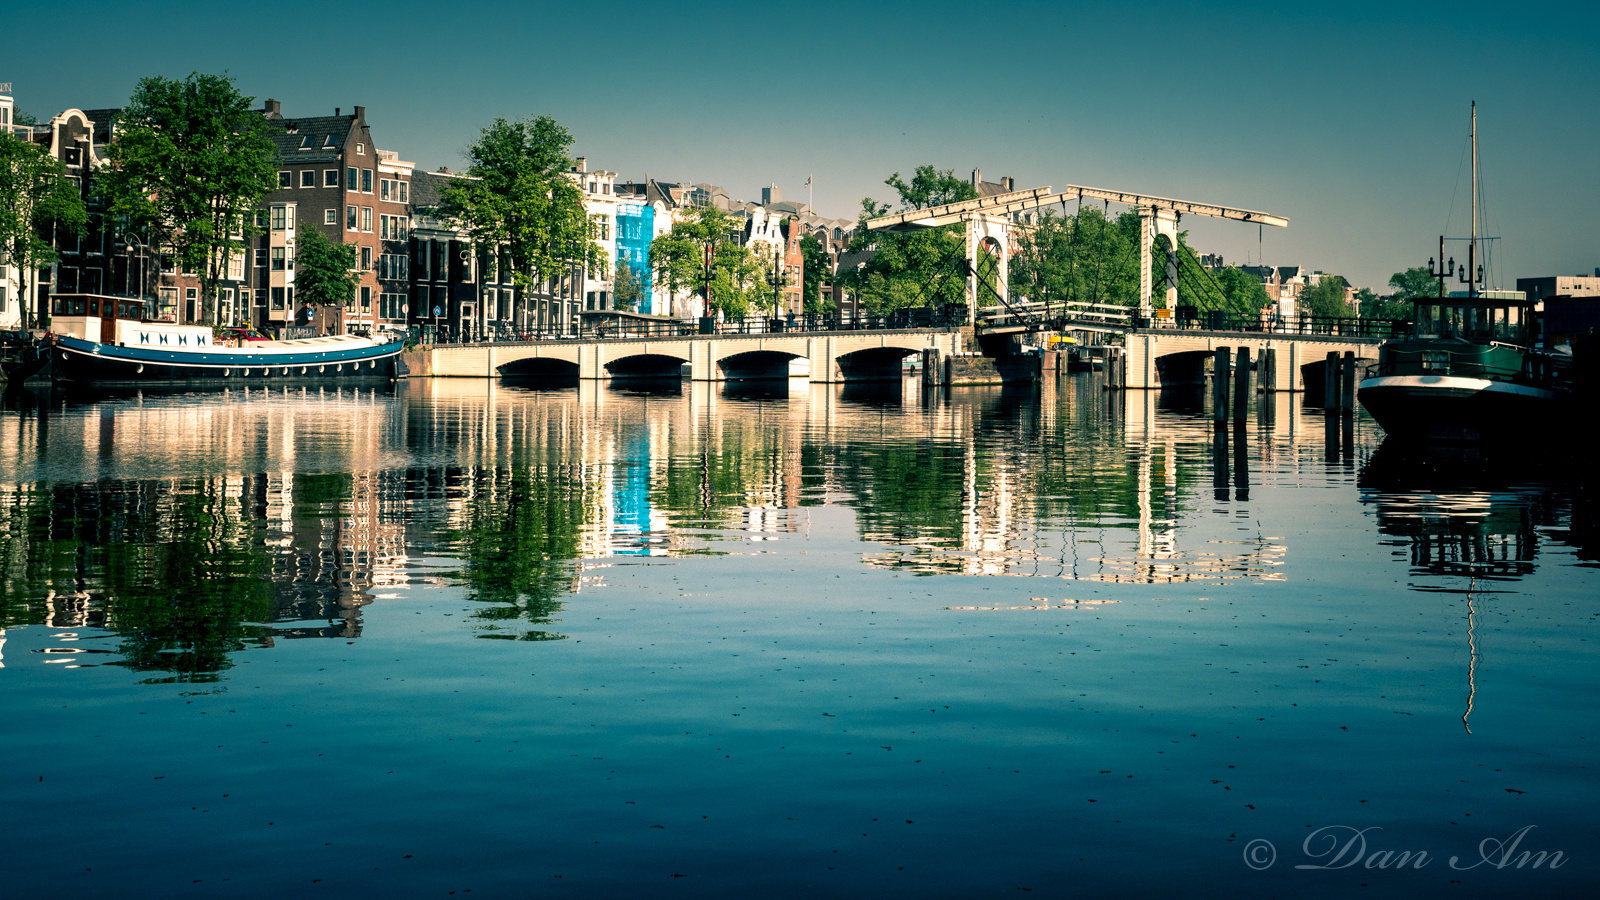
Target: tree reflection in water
(522, 536)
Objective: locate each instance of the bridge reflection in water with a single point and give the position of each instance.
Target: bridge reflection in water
(196, 525)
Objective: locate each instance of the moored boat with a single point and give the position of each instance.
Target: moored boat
(1469, 372)
(103, 341)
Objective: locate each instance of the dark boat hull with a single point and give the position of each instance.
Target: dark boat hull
(1454, 409)
(78, 361)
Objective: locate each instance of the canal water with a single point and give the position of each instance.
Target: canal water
(703, 640)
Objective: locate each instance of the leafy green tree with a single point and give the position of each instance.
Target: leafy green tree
(1085, 257)
(917, 268)
(1325, 298)
(518, 200)
(324, 270)
(1243, 293)
(1412, 283)
(36, 196)
(189, 163)
(815, 266)
(627, 288)
(678, 259)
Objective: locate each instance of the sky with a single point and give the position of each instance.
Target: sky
(1350, 119)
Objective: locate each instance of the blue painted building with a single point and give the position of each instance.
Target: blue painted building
(635, 229)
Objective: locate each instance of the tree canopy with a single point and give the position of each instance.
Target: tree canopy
(915, 269)
(189, 163)
(324, 270)
(519, 200)
(815, 266)
(735, 282)
(1325, 298)
(36, 197)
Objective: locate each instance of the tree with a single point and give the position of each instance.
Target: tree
(917, 268)
(679, 260)
(627, 288)
(1325, 298)
(324, 270)
(189, 163)
(1413, 283)
(1243, 293)
(519, 203)
(815, 265)
(1085, 257)
(36, 197)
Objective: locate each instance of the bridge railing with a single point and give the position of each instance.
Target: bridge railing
(1333, 326)
(921, 317)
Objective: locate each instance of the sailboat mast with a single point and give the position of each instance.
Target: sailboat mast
(1472, 243)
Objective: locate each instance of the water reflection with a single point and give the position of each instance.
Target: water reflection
(193, 526)
(1461, 515)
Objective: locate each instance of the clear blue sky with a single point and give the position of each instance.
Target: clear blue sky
(1350, 119)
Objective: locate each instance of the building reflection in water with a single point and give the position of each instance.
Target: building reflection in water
(192, 526)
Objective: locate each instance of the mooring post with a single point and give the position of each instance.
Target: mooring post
(1347, 383)
(1267, 371)
(1219, 384)
(1241, 384)
(1330, 381)
(930, 366)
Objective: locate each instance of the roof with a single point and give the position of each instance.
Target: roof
(318, 129)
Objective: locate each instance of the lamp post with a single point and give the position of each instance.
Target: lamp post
(778, 280)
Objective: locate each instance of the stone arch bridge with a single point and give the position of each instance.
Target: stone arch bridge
(1167, 357)
(834, 356)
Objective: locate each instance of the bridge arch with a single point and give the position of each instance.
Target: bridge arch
(539, 367)
(874, 363)
(646, 366)
(756, 365)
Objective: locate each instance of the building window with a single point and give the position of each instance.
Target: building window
(350, 218)
(366, 181)
(307, 141)
(308, 178)
(366, 258)
(403, 192)
(330, 217)
(278, 259)
(330, 178)
(361, 149)
(366, 218)
(277, 298)
(261, 259)
(352, 179)
(283, 180)
(366, 298)
(279, 217)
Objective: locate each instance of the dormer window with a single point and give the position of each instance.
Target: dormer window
(306, 142)
(327, 142)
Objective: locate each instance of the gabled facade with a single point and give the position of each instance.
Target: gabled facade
(333, 178)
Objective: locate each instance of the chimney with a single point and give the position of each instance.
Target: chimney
(977, 177)
(274, 109)
(361, 114)
(336, 110)
(581, 164)
(1008, 184)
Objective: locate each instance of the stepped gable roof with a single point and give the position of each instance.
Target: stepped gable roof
(290, 137)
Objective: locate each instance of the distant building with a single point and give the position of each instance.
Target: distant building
(1560, 285)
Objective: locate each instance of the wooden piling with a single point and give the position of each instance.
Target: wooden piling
(1347, 383)
(1219, 384)
(1330, 381)
(1241, 384)
(1267, 371)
